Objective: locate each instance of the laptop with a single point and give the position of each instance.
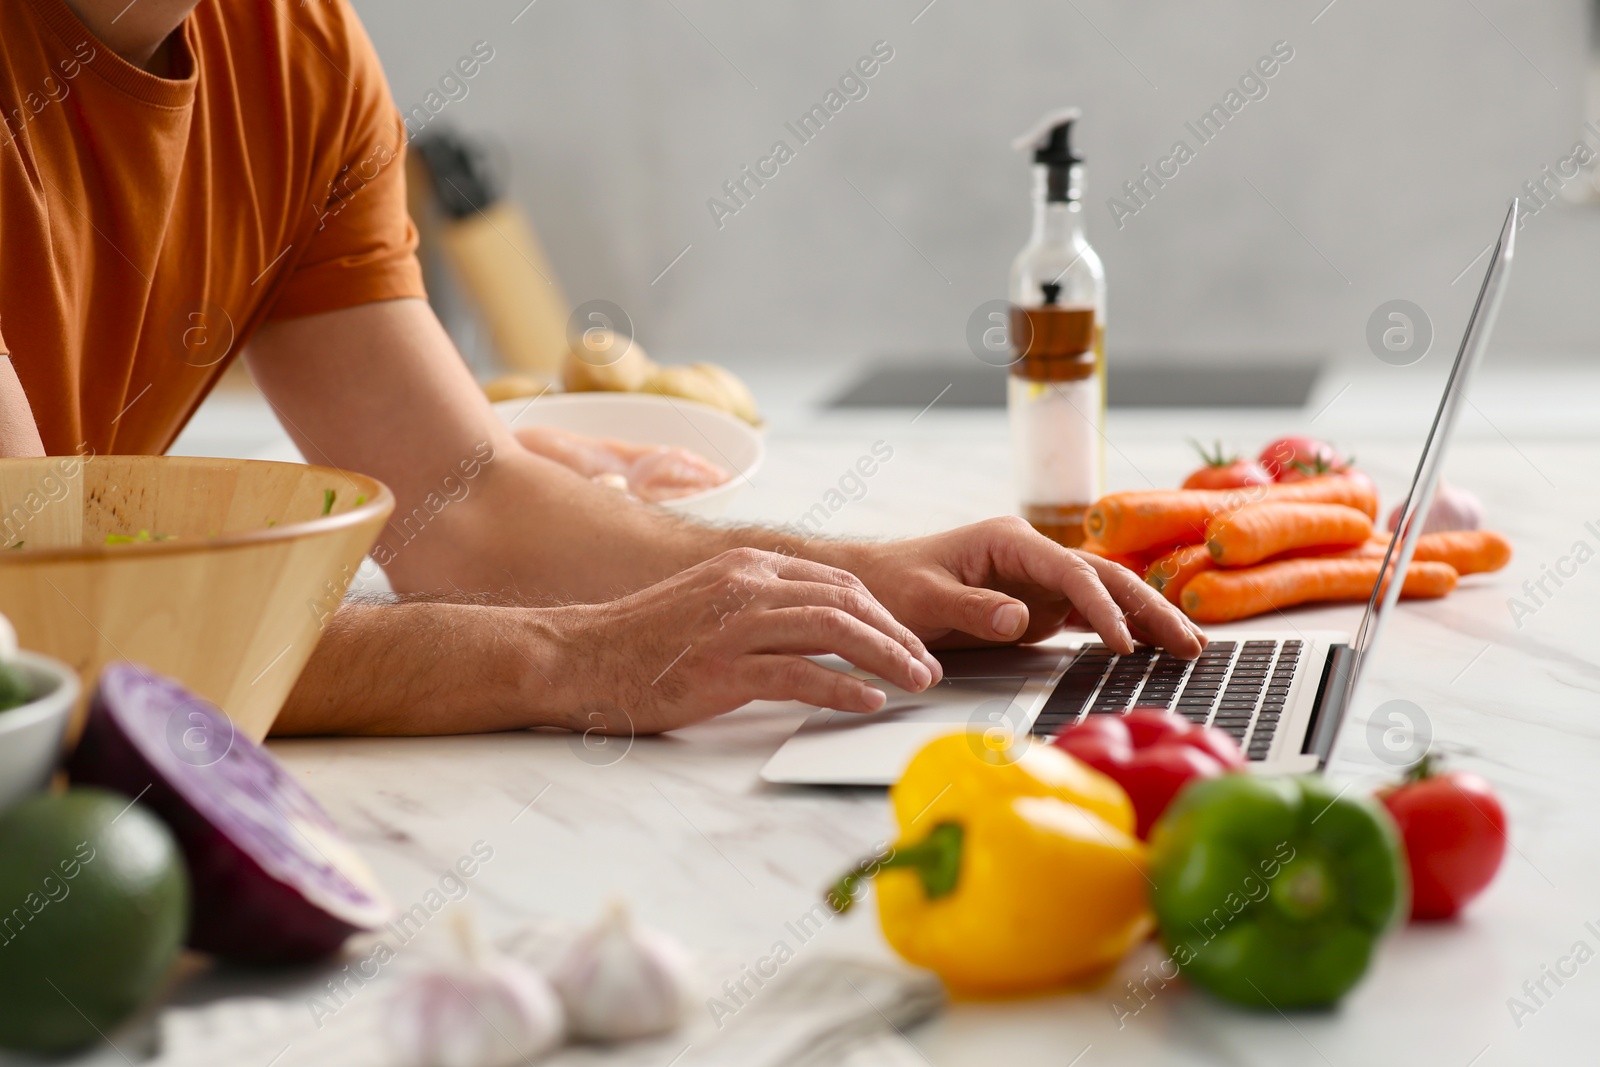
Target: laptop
(1282, 695)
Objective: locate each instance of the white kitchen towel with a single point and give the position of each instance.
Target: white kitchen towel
(815, 1011)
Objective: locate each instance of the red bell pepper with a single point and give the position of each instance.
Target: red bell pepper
(1152, 755)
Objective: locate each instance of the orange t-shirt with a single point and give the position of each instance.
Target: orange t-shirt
(148, 226)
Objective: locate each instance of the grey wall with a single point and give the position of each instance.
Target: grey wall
(1391, 142)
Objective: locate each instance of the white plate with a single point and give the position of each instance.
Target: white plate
(729, 442)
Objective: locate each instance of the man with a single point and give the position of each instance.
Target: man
(174, 162)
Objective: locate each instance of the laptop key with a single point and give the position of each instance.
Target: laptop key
(1077, 685)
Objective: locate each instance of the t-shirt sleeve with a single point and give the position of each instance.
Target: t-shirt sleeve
(363, 246)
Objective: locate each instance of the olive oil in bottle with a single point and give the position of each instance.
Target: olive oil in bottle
(1056, 391)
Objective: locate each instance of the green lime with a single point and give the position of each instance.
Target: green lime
(94, 904)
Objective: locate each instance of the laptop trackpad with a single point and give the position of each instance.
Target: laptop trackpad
(952, 701)
(846, 748)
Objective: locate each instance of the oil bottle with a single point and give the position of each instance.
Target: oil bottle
(1056, 390)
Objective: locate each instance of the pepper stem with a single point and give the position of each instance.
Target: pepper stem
(936, 859)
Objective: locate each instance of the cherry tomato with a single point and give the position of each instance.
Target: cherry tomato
(1361, 476)
(1290, 459)
(1222, 471)
(1455, 834)
(1152, 754)
(1237, 474)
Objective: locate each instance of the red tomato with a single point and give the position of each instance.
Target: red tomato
(1152, 754)
(1223, 471)
(1289, 459)
(1235, 475)
(1361, 476)
(1455, 834)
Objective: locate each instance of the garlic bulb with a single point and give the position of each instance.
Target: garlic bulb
(1452, 509)
(8, 640)
(619, 981)
(488, 1011)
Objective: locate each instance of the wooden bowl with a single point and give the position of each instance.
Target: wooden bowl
(218, 572)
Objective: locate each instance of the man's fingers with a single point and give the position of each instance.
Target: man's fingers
(1046, 564)
(986, 614)
(795, 678)
(814, 629)
(791, 568)
(856, 602)
(1148, 612)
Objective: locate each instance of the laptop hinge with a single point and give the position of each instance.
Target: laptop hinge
(1328, 710)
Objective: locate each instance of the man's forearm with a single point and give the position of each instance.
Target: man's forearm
(530, 529)
(427, 668)
(475, 511)
(19, 435)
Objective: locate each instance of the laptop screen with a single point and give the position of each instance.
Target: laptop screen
(1419, 498)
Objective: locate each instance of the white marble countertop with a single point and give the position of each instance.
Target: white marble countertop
(682, 826)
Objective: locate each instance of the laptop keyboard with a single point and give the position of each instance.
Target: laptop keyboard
(1240, 688)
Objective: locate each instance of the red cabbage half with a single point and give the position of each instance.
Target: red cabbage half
(274, 880)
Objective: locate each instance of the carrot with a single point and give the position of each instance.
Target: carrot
(1134, 561)
(1374, 548)
(1468, 551)
(1162, 519)
(1329, 489)
(1258, 531)
(1222, 596)
(1172, 572)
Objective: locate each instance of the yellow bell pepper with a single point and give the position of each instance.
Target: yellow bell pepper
(1017, 870)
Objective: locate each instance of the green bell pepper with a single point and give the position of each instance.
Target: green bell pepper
(1274, 892)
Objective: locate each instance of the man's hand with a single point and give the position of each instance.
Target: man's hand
(728, 631)
(1001, 581)
(733, 629)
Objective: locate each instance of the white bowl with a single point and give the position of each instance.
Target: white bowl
(729, 442)
(30, 734)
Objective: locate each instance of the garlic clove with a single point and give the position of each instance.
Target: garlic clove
(620, 981)
(489, 1011)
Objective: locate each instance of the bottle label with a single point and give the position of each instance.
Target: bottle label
(1056, 440)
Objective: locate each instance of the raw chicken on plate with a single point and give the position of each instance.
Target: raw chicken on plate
(650, 472)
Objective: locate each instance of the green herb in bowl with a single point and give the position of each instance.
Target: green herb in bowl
(15, 690)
